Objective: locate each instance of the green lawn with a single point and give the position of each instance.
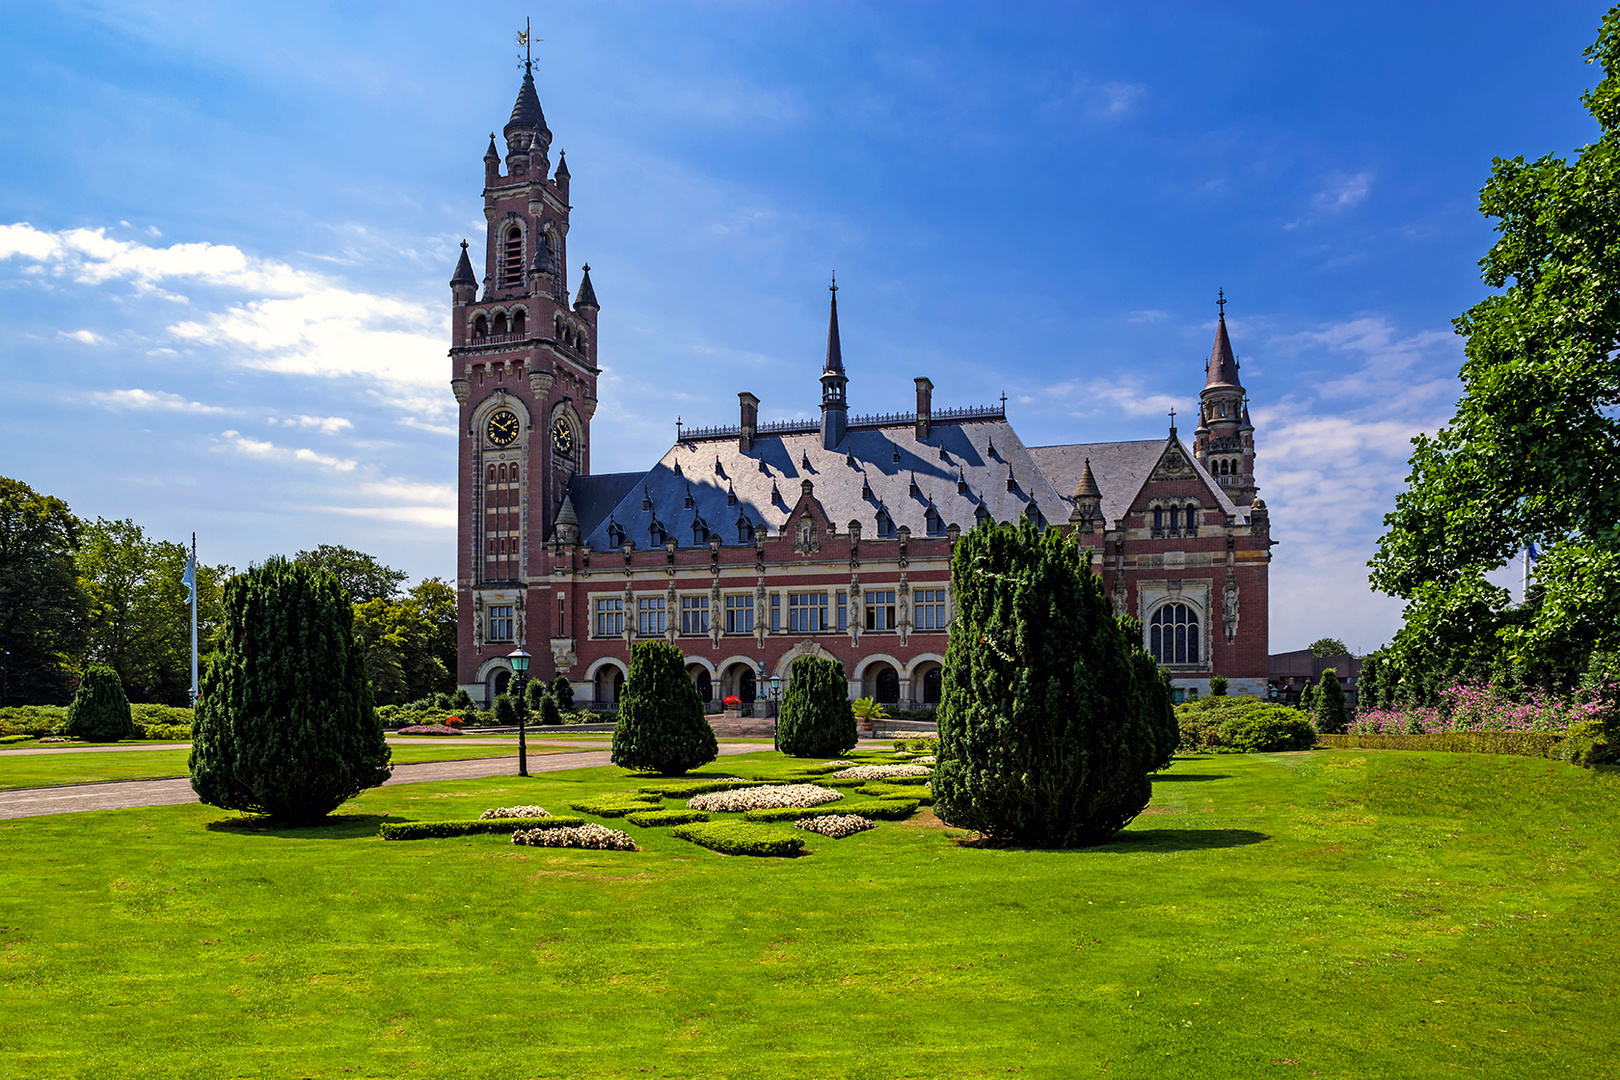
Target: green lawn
(47, 770)
(1344, 913)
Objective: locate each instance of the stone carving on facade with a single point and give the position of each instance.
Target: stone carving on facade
(562, 653)
(629, 611)
(857, 609)
(716, 627)
(904, 597)
(760, 626)
(672, 613)
(478, 622)
(1230, 612)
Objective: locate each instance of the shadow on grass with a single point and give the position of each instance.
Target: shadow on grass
(1159, 778)
(335, 827)
(1136, 840)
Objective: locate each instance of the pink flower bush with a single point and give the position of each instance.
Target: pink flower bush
(1477, 706)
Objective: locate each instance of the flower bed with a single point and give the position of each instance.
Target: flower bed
(430, 830)
(594, 837)
(836, 826)
(879, 810)
(926, 759)
(514, 812)
(881, 772)
(427, 729)
(760, 798)
(741, 838)
(1482, 707)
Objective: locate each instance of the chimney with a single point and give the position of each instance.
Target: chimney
(748, 404)
(925, 407)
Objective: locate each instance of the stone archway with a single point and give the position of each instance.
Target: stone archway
(881, 682)
(703, 681)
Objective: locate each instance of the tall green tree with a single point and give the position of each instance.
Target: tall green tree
(1047, 731)
(362, 576)
(1532, 454)
(42, 607)
(285, 724)
(661, 725)
(1328, 704)
(434, 602)
(99, 711)
(817, 719)
(401, 651)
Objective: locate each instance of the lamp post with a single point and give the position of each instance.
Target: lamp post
(520, 666)
(776, 706)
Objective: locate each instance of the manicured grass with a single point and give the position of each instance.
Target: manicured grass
(47, 770)
(1355, 914)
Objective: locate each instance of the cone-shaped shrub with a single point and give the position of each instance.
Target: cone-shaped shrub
(461, 701)
(549, 712)
(817, 719)
(563, 691)
(1046, 731)
(99, 711)
(504, 710)
(1328, 704)
(533, 694)
(661, 726)
(284, 722)
(1156, 704)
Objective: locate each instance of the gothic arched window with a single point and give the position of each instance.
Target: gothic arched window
(519, 322)
(500, 323)
(1173, 635)
(512, 476)
(480, 328)
(512, 259)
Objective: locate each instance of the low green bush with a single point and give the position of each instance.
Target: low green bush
(799, 776)
(33, 720)
(164, 732)
(648, 819)
(430, 830)
(165, 715)
(616, 804)
(1586, 743)
(1243, 725)
(5, 739)
(741, 838)
(880, 789)
(878, 810)
(685, 789)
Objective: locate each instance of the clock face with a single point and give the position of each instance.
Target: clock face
(502, 428)
(562, 436)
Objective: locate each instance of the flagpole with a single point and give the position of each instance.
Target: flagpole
(194, 620)
(1524, 592)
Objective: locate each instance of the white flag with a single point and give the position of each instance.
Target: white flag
(189, 578)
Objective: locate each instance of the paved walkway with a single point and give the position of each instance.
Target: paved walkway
(127, 794)
(447, 740)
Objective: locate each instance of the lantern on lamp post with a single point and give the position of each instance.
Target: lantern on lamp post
(520, 682)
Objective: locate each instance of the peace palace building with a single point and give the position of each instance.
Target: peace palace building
(753, 544)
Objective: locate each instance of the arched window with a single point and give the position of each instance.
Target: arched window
(1173, 635)
(888, 685)
(746, 686)
(500, 323)
(519, 322)
(705, 686)
(492, 474)
(932, 684)
(500, 472)
(480, 328)
(936, 524)
(512, 259)
(512, 476)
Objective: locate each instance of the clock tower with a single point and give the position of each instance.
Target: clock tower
(523, 370)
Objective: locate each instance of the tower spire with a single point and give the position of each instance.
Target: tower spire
(834, 405)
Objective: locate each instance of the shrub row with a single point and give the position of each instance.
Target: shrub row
(164, 722)
(1243, 725)
(686, 789)
(741, 838)
(430, 830)
(879, 810)
(1520, 743)
(648, 819)
(885, 790)
(4, 739)
(616, 804)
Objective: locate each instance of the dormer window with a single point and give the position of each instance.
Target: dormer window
(731, 496)
(700, 533)
(615, 534)
(885, 525)
(936, 524)
(656, 534)
(745, 531)
(915, 490)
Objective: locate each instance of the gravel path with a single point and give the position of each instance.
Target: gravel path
(448, 740)
(126, 794)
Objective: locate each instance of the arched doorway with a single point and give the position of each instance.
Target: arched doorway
(703, 682)
(933, 683)
(609, 684)
(498, 682)
(881, 683)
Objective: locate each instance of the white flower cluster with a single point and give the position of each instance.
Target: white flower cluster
(513, 811)
(833, 762)
(927, 759)
(773, 797)
(836, 826)
(881, 772)
(596, 837)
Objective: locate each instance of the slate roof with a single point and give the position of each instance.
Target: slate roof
(1223, 365)
(852, 482)
(464, 270)
(526, 110)
(1120, 469)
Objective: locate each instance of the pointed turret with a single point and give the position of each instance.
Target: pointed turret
(1087, 500)
(463, 277)
(562, 172)
(834, 405)
(527, 137)
(1224, 441)
(586, 297)
(526, 111)
(567, 525)
(492, 163)
(1223, 365)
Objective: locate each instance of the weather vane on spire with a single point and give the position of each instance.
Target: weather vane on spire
(1221, 303)
(528, 52)
(834, 286)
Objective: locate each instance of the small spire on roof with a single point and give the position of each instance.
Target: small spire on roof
(562, 165)
(464, 270)
(492, 154)
(586, 296)
(566, 515)
(1087, 488)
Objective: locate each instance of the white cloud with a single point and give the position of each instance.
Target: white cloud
(151, 400)
(1094, 397)
(329, 425)
(237, 443)
(1343, 192)
(86, 337)
(1114, 99)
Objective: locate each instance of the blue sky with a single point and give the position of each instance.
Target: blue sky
(226, 232)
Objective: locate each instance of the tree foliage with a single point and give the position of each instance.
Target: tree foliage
(1328, 704)
(817, 719)
(1329, 646)
(285, 725)
(1532, 454)
(99, 711)
(401, 650)
(1048, 725)
(42, 607)
(361, 576)
(661, 725)
(563, 691)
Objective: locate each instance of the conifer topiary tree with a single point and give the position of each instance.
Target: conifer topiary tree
(661, 725)
(99, 711)
(1047, 732)
(550, 713)
(563, 691)
(284, 723)
(1217, 685)
(534, 693)
(1328, 704)
(461, 701)
(817, 719)
(504, 710)
(1153, 684)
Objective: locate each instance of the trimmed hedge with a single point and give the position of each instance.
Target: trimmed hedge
(822, 779)
(741, 838)
(881, 810)
(1243, 725)
(685, 790)
(4, 739)
(1519, 743)
(885, 790)
(432, 830)
(649, 819)
(616, 804)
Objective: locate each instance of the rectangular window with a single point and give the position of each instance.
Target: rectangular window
(776, 613)
(610, 617)
(843, 611)
(650, 616)
(500, 622)
(807, 613)
(930, 609)
(740, 614)
(694, 614)
(880, 610)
